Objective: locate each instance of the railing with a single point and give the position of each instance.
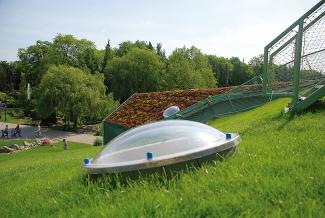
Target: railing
(297, 55)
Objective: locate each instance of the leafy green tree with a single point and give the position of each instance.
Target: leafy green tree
(137, 71)
(64, 50)
(8, 100)
(222, 69)
(188, 68)
(160, 51)
(257, 64)
(150, 47)
(32, 63)
(127, 46)
(69, 51)
(108, 55)
(9, 77)
(22, 97)
(70, 92)
(241, 72)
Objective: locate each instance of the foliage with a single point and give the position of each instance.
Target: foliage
(137, 71)
(127, 46)
(98, 141)
(222, 69)
(143, 108)
(241, 72)
(160, 51)
(8, 100)
(188, 68)
(32, 61)
(64, 50)
(71, 92)
(104, 107)
(69, 51)
(14, 115)
(9, 77)
(277, 172)
(108, 55)
(257, 64)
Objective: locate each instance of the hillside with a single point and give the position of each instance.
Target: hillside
(279, 170)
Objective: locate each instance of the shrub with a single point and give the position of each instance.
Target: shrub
(98, 141)
(8, 100)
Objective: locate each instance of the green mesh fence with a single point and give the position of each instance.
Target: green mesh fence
(244, 97)
(295, 60)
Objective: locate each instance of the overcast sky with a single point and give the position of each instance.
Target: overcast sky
(221, 27)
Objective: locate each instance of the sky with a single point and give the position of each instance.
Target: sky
(221, 27)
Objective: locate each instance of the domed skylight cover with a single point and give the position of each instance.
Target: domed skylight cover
(166, 141)
(170, 111)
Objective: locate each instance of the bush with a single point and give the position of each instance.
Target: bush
(98, 141)
(8, 100)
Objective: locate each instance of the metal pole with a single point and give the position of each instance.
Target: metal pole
(298, 51)
(266, 68)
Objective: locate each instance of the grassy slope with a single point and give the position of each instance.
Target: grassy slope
(5, 142)
(17, 120)
(278, 170)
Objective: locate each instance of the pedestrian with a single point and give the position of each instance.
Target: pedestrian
(65, 144)
(39, 133)
(6, 131)
(18, 131)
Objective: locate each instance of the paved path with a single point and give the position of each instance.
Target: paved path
(29, 132)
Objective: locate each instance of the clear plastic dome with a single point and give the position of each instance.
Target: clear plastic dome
(170, 111)
(164, 139)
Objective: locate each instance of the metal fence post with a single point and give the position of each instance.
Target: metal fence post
(265, 71)
(297, 63)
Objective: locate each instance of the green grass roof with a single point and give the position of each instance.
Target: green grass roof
(278, 170)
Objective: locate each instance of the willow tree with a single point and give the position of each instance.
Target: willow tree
(138, 71)
(70, 92)
(187, 69)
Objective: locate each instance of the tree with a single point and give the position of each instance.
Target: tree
(9, 77)
(64, 50)
(221, 68)
(188, 68)
(137, 71)
(108, 55)
(160, 51)
(32, 63)
(127, 46)
(241, 72)
(70, 92)
(69, 51)
(257, 64)
(150, 47)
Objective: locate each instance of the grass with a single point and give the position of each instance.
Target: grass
(5, 142)
(14, 116)
(278, 170)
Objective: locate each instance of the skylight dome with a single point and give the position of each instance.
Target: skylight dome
(159, 144)
(170, 111)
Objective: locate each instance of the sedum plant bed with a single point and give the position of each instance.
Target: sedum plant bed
(143, 108)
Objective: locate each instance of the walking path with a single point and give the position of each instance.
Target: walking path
(29, 132)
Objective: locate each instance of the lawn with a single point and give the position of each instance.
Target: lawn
(5, 142)
(278, 170)
(14, 115)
